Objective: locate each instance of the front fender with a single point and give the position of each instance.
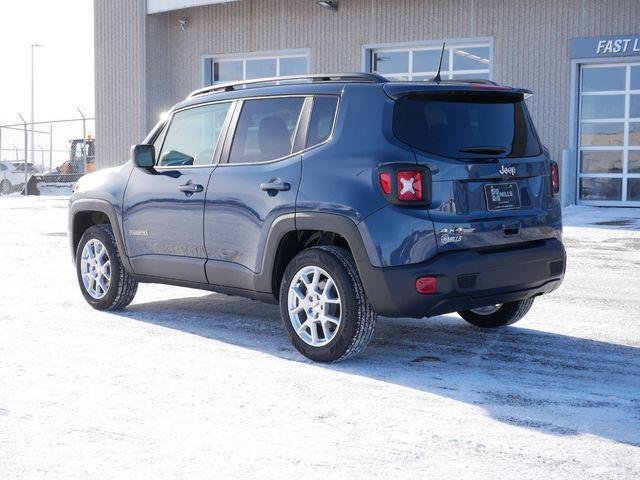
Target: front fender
(80, 205)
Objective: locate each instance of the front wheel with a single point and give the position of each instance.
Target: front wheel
(324, 309)
(493, 316)
(104, 282)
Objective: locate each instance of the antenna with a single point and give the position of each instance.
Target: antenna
(437, 78)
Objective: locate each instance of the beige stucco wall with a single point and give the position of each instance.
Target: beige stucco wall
(531, 41)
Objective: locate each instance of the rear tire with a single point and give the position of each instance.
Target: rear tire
(324, 309)
(103, 280)
(5, 187)
(507, 314)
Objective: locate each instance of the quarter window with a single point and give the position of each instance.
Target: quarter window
(266, 129)
(157, 143)
(460, 61)
(322, 116)
(193, 135)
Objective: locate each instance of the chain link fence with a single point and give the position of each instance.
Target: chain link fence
(45, 157)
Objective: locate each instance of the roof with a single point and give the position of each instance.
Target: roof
(334, 83)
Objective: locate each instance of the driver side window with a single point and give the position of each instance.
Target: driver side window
(193, 135)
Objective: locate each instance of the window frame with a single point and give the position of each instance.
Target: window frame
(410, 47)
(215, 158)
(299, 136)
(208, 61)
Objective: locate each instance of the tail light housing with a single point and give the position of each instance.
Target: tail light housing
(404, 184)
(555, 178)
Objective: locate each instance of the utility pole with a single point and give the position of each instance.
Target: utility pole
(33, 45)
(50, 147)
(41, 157)
(84, 140)
(26, 148)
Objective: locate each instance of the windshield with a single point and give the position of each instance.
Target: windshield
(478, 126)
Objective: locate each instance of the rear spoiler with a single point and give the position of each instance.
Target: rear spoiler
(396, 90)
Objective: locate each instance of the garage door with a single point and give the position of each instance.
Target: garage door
(609, 135)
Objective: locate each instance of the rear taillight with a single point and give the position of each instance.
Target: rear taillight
(409, 186)
(555, 178)
(405, 184)
(385, 182)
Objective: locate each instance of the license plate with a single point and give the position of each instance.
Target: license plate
(502, 196)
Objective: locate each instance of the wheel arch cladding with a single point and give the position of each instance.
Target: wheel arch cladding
(83, 213)
(295, 241)
(85, 219)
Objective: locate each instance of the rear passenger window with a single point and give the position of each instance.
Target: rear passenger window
(321, 123)
(193, 135)
(265, 130)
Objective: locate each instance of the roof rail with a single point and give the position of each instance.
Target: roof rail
(328, 77)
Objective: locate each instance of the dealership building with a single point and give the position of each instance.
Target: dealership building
(581, 58)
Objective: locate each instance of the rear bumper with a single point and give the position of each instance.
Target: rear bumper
(466, 279)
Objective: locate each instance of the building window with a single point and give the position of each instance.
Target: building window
(246, 67)
(609, 134)
(461, 60)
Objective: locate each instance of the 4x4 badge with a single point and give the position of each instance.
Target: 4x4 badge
(507, 170)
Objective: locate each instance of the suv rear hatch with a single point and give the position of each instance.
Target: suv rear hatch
(491, 176)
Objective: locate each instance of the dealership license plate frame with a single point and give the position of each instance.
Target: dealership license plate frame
(511, 203)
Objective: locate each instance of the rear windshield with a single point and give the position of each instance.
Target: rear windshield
(466, 126)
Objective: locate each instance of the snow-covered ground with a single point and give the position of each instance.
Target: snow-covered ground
(187, 384)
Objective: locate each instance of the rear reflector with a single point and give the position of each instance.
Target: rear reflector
(426, 285)
(555, 177)
(409, 186)
(385, 182)
(557, 267)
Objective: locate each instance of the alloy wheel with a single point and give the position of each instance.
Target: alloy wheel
(315, 308)
(488, 310)
(95, 267)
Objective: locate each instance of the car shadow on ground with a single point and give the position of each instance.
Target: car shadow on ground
(556, 384)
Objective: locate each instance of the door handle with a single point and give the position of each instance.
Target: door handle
(191, 188)
(275, 185)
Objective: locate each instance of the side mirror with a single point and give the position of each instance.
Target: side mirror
(143, 155)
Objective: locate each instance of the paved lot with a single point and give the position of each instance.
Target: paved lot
(188, 384)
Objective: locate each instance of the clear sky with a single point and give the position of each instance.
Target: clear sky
(64, 75)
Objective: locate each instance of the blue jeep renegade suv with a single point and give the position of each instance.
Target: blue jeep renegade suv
(340, 197)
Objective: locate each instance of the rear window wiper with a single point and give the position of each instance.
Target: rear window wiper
(481, 150)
